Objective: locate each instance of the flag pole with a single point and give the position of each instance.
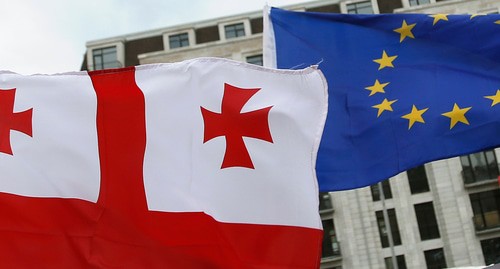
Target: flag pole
(388, 226)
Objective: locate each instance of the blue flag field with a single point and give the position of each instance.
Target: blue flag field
(404, 89)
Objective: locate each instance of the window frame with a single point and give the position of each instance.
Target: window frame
(101, 53)
(222, 29)
(400, 259)
(344, 6)
(119, 43)
(418, 180)
(489, 247)
(386, 187)
(237, 28)
(418, 2)
(485, 219)
(325, 202)
(407, 4)
(428, 253)
(472, 174)
(330, 244)
(255, 56)
(191, 38)
(180, 39)
(428, 225)
(393, 221)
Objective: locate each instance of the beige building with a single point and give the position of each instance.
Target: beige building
(444, 214)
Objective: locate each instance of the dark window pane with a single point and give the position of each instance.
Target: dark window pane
(376, 192)
(105, 58)
(479, 166)
(486, 209)
(360, 8)
(418, 2)
(435, 259)
(256, 59)
(330, 243)
(399, 259)
(234, 30)
(427, 223)
(491, 161)
(418, 180)
(382, 228)
(97, 62)
(491, 250)
(467, 172)
(179, 40)
(325, 201)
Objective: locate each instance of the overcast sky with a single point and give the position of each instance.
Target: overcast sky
(48, 36)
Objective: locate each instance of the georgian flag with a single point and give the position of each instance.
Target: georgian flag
(207, 163)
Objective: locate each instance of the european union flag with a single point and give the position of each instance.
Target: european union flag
(404, 89)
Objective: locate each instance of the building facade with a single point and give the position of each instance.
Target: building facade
(442, 214)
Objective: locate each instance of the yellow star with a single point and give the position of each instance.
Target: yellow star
(438, 17)
(497, 22)
(476, 15)
(377, 87)
(414, 116)
(385, 105)
(495, 98)
(457, 115)
(405, 31)
(385, 61)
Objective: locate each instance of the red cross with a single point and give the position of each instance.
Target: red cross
(20, 121)
(234, 125)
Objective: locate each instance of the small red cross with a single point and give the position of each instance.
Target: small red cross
(9, 120)
(234, 125)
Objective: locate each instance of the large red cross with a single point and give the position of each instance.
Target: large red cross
(234, 125)
(9, 120)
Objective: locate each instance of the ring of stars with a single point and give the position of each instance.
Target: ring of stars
(456, 115)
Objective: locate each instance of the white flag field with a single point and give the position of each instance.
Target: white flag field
(207, 163)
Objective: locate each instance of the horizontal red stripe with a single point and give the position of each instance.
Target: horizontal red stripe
(61, 233)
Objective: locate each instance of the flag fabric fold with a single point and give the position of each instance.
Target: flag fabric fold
(124, 169)
(404, 89)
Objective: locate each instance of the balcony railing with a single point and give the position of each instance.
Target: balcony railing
(473, 179)
(486, 221)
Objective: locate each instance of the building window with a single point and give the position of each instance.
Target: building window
(435, 259)
(383, 231)
(376, 191)
(418, 180)
(419, 2)
(427, 223)
(325, 202)
(486, 209)
(399, 259)
(255, 59)
(178, 41)
(105, 58)
(360, 8)
(491, 250)
(330, 244)
(479, 166)
(234, 30)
